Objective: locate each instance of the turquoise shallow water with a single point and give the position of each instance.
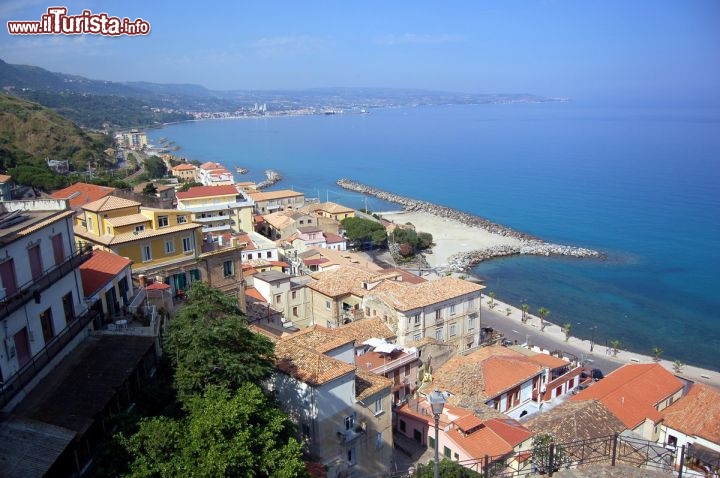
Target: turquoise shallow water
(639, 184)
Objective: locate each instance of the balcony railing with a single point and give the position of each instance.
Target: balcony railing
(22, 377)
(33, 288)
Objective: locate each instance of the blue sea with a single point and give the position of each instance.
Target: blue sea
(640, 184)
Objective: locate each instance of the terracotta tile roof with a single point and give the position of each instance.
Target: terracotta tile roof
(697, 413)
(633, 391)
(484, 374)
(108, 240)
(340, 281)
(468, 422)
(331, 238)
(270, 195)
(361, 330)
(368, 384)
(157, 286)
(319, 338)
(82, 193)
(407, 277)
(333, 208)
(549, 361)
(307, 365)
(184, 167)
(210, 165)
(110, 203)
(278, 220)
(512, 431)
(427, 293)
(254, 293)
(100, 270)
(126, 220)
(576, 421)
(207, 192)
(5, 178)
(341, 258)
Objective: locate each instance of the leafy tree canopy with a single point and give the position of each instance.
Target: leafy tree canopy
(155, 167)
(188, 185)
(360, 230)
(208, 342)
(447, 469)
(225, 433)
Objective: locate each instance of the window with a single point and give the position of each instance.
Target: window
(327, 304)
(163, 221)
(7, 276)
(351, 456)
(438, 315)
(249, 256)
(108, 230)
(68, 307)
(58, 249)
(181, 219)
(439, 334)
(278, 299)
(471, 323)
(447, 452)
(169, 247)
(228, 269)
(452, 309)
(403, 426)
(378, 406)
(457, 457)
(268, 254)
(453, 328)
(431, 442)
(417, 337)
(146, 252)
(187, 244)
(295, 312)
(350, 422)
(378, 440)
(88, 221)
(416, 319)
(293, 294)
(140, 228)
(46, 323)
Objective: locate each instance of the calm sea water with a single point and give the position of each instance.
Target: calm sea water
(641, 185)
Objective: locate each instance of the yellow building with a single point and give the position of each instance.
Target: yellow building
(185, 172)
(155, 240)
(333, 211)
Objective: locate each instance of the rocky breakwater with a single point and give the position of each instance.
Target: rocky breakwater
(523, 243)
(272, 178)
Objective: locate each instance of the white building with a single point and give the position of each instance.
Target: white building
(42, 310)
(219, 209)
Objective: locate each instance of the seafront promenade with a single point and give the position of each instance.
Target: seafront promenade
(596, 356)
(492, 239)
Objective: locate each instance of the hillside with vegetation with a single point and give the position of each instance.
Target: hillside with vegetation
(29, 133)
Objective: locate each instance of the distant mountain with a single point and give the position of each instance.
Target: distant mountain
(29, 133)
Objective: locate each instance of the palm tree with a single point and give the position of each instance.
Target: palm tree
(567, 326)
(508, 311)
(491, 302)
(525, 309)
(615, 345)
(678, 367)
(543, 312)
(657, 352)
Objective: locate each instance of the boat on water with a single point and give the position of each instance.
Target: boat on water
(241, 170)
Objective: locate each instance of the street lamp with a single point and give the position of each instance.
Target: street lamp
(592, 337)
(437, 402)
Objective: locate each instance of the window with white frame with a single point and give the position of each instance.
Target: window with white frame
(416, 320)
(181, 219)
(439, 334)
(163, 221)
(378, 406)
(140, 228)
(88, 221)
(327, 304)
(417, 336)
(228, 269)
(350, 422)
(471, 323)
(187, 244)
(378, 440)
(146, 252)
(452, 309)
(169, 247)
(453, 330)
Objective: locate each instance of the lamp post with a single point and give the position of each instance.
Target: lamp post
(592, 337)
(437, 402)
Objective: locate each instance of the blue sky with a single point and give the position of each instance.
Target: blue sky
(579, 49)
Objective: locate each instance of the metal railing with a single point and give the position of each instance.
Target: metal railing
(31, 289)
(609, 451)
(53, 347)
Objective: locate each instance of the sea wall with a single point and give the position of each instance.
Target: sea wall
(529, 244)
(272, 178)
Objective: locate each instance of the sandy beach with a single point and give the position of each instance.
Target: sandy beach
(451, 237)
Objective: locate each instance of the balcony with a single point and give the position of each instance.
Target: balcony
(16, 382)
(347, 436)
(32, 289)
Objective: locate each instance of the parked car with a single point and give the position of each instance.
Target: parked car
(506, 342)
(592, 374)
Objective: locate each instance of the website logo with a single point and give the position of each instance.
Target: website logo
(57, 22)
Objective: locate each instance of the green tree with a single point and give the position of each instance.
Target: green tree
(360, 230)
(678, 367)
(149, 189)
(567, 327)
(615, 345)
(425, 240)
(224, 433)
(155, 167)
(491, 301)
(525, 309)
(208, 342)
(187, 185)
(447, 469)
(657, 353)
(543, 312)
(541, 445)
(508, 311)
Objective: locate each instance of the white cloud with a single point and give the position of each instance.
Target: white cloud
(285, 45)
(419, 39)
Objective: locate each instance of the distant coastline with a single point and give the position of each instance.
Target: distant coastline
(516, 242)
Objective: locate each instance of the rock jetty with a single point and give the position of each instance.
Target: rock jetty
(527, 243)
(272, 178)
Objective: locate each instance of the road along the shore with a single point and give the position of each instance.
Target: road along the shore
(508, 241)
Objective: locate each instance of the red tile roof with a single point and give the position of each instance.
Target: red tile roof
(100, 270)
(82, 193)
(207, 191)
(254, 293)
(633, 392)
(308, 365)
(157, 286)
(697, 413)
(184, 167)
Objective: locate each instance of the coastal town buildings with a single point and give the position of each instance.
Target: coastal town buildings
(570, 421)
(272, 201)
(185, 172)
(107, 280)
(218, 208)
(637, 394)
(285, 223)
(80, 193)
(284, 294)
(133, 139)
(214, 174)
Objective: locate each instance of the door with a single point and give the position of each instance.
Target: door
(22, 347)
(7, 276)
(36, 268)
(58, 249)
